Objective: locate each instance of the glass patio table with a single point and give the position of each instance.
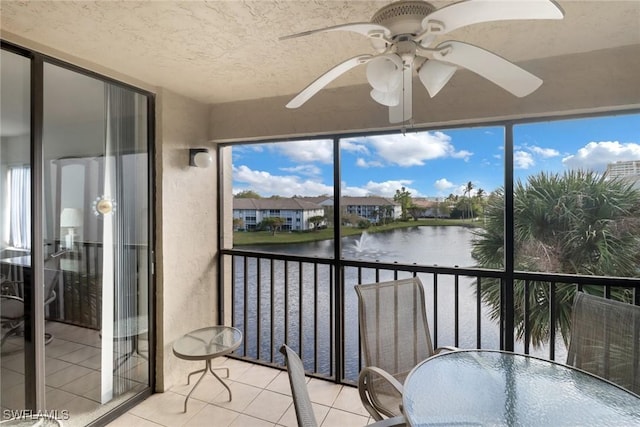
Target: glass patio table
(485, 387)
(207, 344)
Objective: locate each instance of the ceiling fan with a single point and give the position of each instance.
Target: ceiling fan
(402, 34)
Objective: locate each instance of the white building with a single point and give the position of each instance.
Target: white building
(628, 170)
(296, 212)
(372, 207)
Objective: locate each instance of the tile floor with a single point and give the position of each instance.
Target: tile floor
(261, 397)
(72, 374)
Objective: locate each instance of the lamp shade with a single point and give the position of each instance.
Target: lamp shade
(435, 74)
(71, 217)
(389, 99)
(384, 73)
(200, 157)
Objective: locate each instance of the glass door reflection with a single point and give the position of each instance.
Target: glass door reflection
(15, 225)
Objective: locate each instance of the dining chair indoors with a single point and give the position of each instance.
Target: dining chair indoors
(394, 336)
(12, 310)
(605, 339)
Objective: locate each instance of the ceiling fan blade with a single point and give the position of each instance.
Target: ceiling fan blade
(367, 29)
(327, 78)
(452, 17)
(490, 66)
(403, 111)
(434, 75)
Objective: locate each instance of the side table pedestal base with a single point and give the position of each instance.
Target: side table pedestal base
(211, 369)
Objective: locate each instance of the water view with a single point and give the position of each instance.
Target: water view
(443, 246)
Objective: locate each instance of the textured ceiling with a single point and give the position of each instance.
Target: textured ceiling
(223, 51)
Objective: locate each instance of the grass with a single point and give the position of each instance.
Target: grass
(266, 237)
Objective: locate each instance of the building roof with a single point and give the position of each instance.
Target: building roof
(307, 203)
(280, 203)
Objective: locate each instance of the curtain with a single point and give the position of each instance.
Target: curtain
(120, 263)
(20, 207)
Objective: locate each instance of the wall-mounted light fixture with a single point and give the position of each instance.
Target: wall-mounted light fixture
(199, 157)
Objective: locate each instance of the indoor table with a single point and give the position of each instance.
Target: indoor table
(207, 344)
(485, 387)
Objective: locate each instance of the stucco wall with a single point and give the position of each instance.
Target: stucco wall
(601, 80)
(186, 274)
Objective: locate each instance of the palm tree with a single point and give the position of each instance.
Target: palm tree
(575, 223)
(467, 191)
(480, 194)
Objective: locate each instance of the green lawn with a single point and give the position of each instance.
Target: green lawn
(266, 237)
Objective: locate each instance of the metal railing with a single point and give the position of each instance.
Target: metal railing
(280, 299)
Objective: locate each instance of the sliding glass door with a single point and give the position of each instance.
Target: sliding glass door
(91, 187)
(15, 225)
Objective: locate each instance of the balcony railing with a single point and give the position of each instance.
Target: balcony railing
(310, 304)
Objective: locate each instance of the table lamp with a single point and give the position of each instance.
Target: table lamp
(70, 218)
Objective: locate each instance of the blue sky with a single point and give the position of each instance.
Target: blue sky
(434, 163)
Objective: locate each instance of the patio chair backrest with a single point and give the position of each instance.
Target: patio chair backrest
(394, 332)
(299, 392)
(605, 339)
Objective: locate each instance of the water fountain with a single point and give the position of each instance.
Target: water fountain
(359, 244)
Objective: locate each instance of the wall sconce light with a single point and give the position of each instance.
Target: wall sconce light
(199, 157)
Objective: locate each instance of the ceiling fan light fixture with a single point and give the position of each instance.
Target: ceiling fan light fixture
(389, 99)
(402, 34)
(434, 75)
(384, 73)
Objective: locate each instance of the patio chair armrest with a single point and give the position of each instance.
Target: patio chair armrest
(445, 348)
(12, 297)
(368, 401)
(51, 298)
(390, 422)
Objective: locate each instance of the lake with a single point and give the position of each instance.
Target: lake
(311, 312)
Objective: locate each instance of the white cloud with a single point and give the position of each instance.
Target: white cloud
(354, 191)
(461, 190)
(365, 164)
(266, 184)
(384, 189)
(443, 184)
(596, 155)
(415, 149)
(544, 152)
(309, 170)
(353, 147)
(462, 154)
(523, 160)
(306, 151)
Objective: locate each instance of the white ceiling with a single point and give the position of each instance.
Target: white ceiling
(224, 51)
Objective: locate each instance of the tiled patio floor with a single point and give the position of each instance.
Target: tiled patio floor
(261, 397)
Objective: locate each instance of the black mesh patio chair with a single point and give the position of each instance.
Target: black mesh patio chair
(605, 340)
(395, 337)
